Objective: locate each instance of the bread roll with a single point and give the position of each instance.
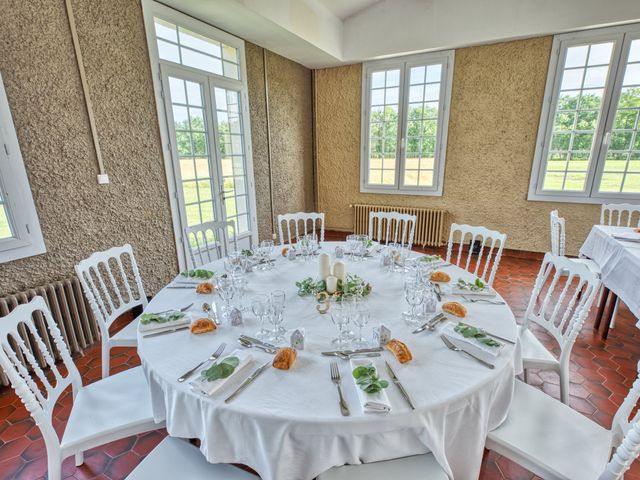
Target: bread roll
(203, 325)
(440, 277)
(284, 358)
(205, 287)
(400, 350)
(455, 308)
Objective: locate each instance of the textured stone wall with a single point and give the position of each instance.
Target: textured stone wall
(78, 216)
(495, 110)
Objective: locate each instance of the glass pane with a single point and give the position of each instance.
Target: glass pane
(620, 166)
(584, 76)
(5, 229)
(168, 51)
(198, 42)
(166, 30)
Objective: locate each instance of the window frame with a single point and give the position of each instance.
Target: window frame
(622, 36)
(21, 210)
(159, 67)
(404, 64)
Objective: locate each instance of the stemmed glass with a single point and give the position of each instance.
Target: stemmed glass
(265, 251)
(352, 245)
(361, 319)
(225, 288)
(361, 242)
(239, 285)
(340, 318)
(277, 300)
(260, 307)
(414, 295)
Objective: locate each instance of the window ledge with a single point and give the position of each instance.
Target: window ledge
(401, 191)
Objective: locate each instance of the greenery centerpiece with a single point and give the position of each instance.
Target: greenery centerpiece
(351, 286)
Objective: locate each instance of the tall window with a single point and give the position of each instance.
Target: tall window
(588, 144)
(20, 234)
(203, 98)
(404, 123)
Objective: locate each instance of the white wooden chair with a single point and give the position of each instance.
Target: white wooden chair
(615, 214)
(398, 227)
(102, 412)
(174, 458)
(485, 268)
(417, 467)
(558, 240)
(300, 219)
(562, 296)
(556, 442)
(210, 241)
(112, 284)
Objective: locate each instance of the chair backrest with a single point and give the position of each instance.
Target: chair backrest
(210, 241)
(490, 241)
(300, 219)
(626, 435)
(616, 213)
(112, 284)
(398, 227)
(557, 233)
(561, 299)
(25, 350)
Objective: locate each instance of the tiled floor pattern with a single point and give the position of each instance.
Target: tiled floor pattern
(601, 374)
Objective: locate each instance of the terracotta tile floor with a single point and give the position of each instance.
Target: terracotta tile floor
(601, 374)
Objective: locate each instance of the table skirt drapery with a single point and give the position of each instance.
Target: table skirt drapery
(287, 425)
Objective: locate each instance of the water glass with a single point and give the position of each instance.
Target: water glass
(340, 318)
(265, 252)
(260, 308)
(361, 319)
(362, 243)
(240, 286)
(277, 300)
(352, 245)
(414, 295)
(224, 287)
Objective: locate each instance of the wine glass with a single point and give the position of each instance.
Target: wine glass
(260, 308)
(414, 295)
(361, 319)
(352, 244)
(277, 300)
(340, 318)
(361, 242)
(240, 286)
(224, 287)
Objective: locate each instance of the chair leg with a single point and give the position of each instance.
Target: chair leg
(106, 354)
(603, 304)
(54, 467)
(564, 387)
(525, 375)
(615, 312)
(79, 459)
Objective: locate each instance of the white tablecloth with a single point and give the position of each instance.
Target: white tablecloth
(619, 261)
(287, 425)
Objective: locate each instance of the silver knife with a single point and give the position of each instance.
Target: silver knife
(164, 332)
(394, 379)
(246, 383)
(336, 353)
(433, 321)
(255, 341)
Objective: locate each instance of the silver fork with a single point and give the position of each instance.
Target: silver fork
(213, 356)
(490, 302)
(335, 378)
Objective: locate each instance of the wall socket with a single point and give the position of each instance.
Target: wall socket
(103, 179)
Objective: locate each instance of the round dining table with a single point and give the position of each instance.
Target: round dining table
(287, 424)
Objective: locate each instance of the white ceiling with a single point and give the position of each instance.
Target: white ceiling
(324, 33)
(345, 8)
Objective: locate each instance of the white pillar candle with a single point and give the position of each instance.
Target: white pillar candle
(332, 284)
(339, 270)
(324, 260)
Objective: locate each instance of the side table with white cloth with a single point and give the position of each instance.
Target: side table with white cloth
(617, 251)
(287, 425)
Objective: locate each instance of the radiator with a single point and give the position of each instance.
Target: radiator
(69, 309)
(430, 222)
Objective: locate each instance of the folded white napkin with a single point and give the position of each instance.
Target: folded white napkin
(485, 292)
(159, 327)
(370, 402)
(209, 388)
(471, 344)
(628, 236)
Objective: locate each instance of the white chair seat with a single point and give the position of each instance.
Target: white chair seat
(127, 337)
(114, 407)
(534, 353)
(591, 265)
(417, 467)
(174, 458)
(549, 438)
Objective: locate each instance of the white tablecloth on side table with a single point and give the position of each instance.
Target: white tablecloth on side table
(619, 261)
(287, 424)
